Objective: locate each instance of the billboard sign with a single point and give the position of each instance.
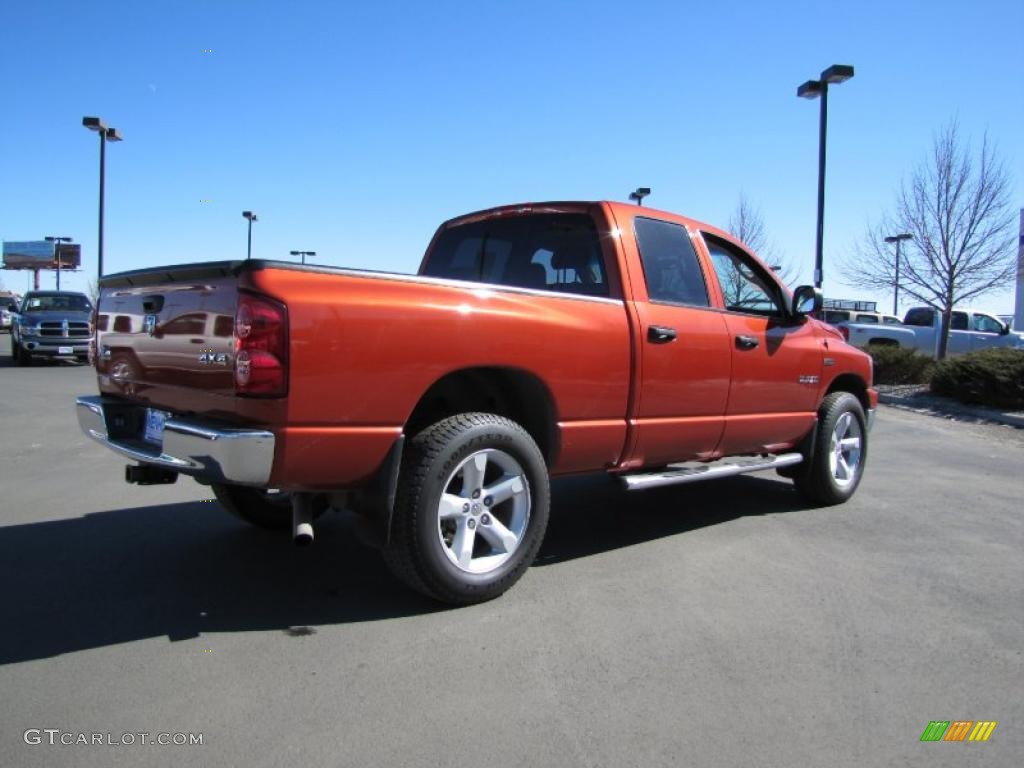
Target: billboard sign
(40, 254)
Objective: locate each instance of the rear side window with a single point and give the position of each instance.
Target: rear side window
(867, 319)
(836, 316)
(554, 252)
(958, 321)
(920, 316)
(670, 263)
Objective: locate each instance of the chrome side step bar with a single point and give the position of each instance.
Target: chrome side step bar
(693, 472)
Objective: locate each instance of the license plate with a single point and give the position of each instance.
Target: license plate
(155, 425)
(65, 350)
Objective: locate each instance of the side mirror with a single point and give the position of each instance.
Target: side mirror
(806, 301)
(12, 308)
(1005, 330)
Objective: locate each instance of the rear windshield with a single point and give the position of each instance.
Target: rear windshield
(65, 303)
(554, 252)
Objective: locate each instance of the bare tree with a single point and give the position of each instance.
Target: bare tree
(746, 225)
(93, 291)
(956, 204)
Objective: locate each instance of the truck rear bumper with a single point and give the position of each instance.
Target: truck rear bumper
(213, 454)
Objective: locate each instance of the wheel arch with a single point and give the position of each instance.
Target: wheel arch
(852, 383)
(514, 393)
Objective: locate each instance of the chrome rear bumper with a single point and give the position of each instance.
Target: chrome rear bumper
(214, 454)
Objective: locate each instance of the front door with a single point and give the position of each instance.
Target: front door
(776, 360)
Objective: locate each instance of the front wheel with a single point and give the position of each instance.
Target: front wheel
(266, 508)
(20, 356)
(471, 509)
(833, 471)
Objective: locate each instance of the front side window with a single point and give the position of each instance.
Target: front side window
(744, 287)
(867, 319)
(670, 263)
(554, 252)
(987, 324)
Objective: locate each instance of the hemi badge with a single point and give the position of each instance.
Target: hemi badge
(829, 361)
(808, 379)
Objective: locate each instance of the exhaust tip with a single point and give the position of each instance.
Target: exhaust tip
(303, 534)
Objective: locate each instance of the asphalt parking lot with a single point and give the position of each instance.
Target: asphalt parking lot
(721, 624)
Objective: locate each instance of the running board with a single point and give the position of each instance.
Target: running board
(675, 474)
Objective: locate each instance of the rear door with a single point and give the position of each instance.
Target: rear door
(776, 361)
(684, 351)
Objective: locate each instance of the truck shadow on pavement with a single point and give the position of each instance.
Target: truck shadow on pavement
(181, 570)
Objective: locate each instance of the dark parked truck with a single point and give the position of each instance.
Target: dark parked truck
(536, 340)
(51, 324)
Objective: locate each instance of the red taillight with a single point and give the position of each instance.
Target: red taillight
(261, 346)
(845, 331)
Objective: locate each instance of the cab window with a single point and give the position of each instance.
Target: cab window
(745, 287)
(555, 252)
(670, 263)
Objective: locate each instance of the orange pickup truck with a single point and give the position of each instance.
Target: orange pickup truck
(537, 340)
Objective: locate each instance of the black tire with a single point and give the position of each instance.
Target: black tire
(271, 511)
(419, 552)
(816, 479)
(21, 357)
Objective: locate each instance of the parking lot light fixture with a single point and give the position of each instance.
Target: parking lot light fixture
(303, 254)
(106, 134)
(812, 89)
(251, 217)
(896, 281)
(640, 194)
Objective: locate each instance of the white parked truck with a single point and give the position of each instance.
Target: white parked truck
(969, 331)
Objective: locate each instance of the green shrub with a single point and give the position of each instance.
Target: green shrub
(899, 365)
(992, 377)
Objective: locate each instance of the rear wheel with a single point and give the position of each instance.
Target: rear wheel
(263, 507)
(471, 509)
(831, 474)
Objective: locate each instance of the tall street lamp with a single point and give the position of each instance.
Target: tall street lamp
(251, 217)
(106, 134)
(640, 194)
(303, 254)
(896, 283)
(812, 89)
(56, 251)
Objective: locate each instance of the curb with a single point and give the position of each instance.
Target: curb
(933, 405)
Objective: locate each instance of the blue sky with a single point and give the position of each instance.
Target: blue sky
(354, 129)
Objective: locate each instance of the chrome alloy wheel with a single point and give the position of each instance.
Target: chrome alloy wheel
(484, 511)
(845, 450)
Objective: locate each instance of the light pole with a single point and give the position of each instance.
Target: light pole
(640, 194)
(56, 250)
(251, 217)
(303, 254)
(812, 89)
(896, 283)
(106, 134)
